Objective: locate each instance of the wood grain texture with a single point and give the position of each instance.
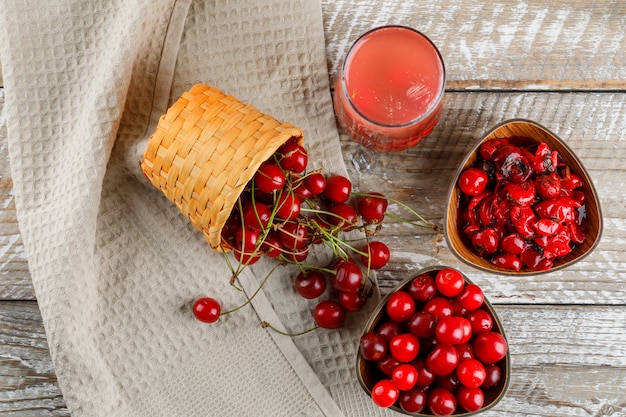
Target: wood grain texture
(15, 281)
(28, 386)
(534, 44)
(553, 374)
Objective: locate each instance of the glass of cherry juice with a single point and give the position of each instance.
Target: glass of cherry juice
(389, 93)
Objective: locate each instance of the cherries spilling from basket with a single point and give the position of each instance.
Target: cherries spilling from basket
(437, 349)
(284, 211)
(521, 205)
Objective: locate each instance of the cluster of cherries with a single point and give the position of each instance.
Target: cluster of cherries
(284, 211)
(521, 205)
(436, 348)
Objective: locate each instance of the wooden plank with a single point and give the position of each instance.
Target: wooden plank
(15, 283)
(505, 44)
(28, 385)
(566, 361)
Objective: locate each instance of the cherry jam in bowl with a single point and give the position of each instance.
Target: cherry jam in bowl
(434, 346)
(521, 202)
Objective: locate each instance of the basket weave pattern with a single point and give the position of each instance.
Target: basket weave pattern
(204, 151)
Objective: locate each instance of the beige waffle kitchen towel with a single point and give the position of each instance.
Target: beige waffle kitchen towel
(114, 264)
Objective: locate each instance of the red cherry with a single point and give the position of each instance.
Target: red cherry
(465, 351)
(577, 233)
(257, 215)
(271, 245)
(269, 177)
(342, 215)
(512, 164)
(400, 306)
(288, 206)
(404, 377)
(385, 393)
(372, 207)
(521, 194)
(480, 320)
(387, 364)
(545, 159)
(388, 329)
(490, 347)
(372, 346)
(352, 301)
(440, 307)
(310, 284)
(471, 373)
(485, 241)
(299, 188)
(571, 181)
(513, 244)
(449, 282)
(423, 288)
(404, 347)
(441, 402)
(315, 183)
(329, 314)
(471, 399)
(423, 324)
(377, 255)
(442, 360)
(293, 236)
(424, 376)
(507, 261)
(413, 401)
(292, 157)
(471, 298)
(338, 188)
(449, 331)
(493, 376)
(448, 382)
(247, 239)
(206, 309)
(487, 148)
(473, 181)
(559, 209)
(348, 277)
(548, 186)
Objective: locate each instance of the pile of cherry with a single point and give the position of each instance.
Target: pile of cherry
(284, 211)
(520, 204)
(436, 347)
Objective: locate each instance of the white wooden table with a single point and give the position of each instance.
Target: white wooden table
(561, 63)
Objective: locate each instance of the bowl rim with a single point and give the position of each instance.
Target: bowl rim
(460, 168)
(375, 313)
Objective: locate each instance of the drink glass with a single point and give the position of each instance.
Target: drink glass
(388, 95)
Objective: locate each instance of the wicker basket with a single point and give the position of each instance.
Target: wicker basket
(205, 149)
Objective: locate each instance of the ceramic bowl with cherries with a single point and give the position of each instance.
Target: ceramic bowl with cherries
(434, 346)
(522, 202)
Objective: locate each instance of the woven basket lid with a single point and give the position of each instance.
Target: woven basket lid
(204, 151)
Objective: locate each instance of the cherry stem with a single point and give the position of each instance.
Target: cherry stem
(249, 299)
(426, 225)
(266, 325)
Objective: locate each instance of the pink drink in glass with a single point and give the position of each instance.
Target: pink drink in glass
(389, 93)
